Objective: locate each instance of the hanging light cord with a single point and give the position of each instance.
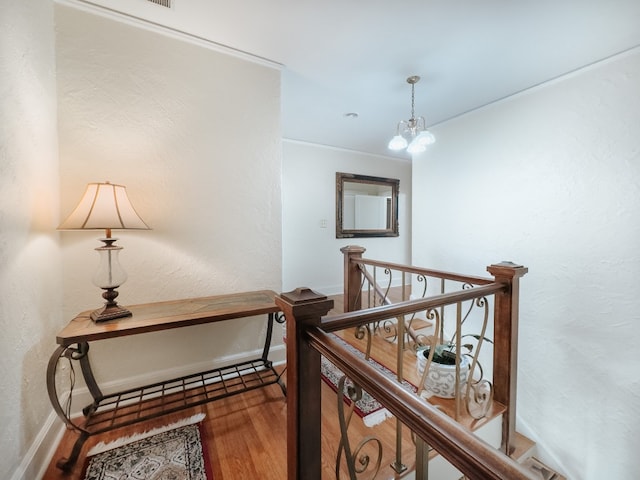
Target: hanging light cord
(72, 383)
(413, 89)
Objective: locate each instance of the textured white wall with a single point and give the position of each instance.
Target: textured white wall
(195, 136)
(311, 254)
(30, 290)
(551, 179)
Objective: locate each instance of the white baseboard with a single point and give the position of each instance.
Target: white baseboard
(40, 453)
(35, 462)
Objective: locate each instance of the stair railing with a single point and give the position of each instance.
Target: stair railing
(505, 316)
(308, 337)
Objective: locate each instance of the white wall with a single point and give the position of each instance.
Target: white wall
(30, 290)
(551, 179)
(311, 253)
(194, 134)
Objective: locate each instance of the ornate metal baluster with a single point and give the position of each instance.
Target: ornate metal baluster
(479, 392)
(397, 465)
(356, 459)
(412, 337)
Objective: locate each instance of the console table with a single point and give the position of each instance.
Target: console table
(114, 410)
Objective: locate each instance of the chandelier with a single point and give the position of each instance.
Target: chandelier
(412, 134)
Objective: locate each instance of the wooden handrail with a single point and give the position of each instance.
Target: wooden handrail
(360, 317)
(456, 277)
(469, 454)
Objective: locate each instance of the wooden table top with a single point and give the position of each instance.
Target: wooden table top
(152, 317)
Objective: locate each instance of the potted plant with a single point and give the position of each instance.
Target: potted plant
(440, 380)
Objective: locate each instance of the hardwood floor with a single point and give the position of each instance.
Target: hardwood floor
(245, 436)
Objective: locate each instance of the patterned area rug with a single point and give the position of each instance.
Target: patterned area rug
(368, 408)
(175, 452)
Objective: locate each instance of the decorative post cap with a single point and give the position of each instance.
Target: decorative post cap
(302, 295)
(508, 269)
(353, 249)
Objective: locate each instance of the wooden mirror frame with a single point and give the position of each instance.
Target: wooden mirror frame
(392, 208)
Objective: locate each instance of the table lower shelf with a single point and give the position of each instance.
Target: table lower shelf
(150, 401)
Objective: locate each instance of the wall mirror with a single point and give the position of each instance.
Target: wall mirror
(366, 206)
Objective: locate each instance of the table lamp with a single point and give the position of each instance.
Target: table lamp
(106, 206)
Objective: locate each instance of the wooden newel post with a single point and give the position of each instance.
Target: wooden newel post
(303, 308)
(505, 348)
(352, 278)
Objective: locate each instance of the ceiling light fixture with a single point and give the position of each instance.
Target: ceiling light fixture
(412, 134)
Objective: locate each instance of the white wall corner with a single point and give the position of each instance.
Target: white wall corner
(37, 459)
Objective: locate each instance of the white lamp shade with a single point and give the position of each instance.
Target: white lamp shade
(416, 147)
(425, 137)
(104, 206)
(397, 143)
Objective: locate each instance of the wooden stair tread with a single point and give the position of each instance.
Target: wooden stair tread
(384, 352)
(523, 454)
(541, 470)
(419, 323)
(523, 445)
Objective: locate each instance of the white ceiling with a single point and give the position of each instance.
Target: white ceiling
(344, 56)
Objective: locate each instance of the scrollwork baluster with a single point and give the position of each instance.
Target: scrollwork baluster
(357, 460)
(479, 392)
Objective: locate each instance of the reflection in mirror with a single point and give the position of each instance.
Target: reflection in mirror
(366, 206)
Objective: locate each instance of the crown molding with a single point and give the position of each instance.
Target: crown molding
(139, 22)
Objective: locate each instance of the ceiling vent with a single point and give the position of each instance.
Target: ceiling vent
(162, 3)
